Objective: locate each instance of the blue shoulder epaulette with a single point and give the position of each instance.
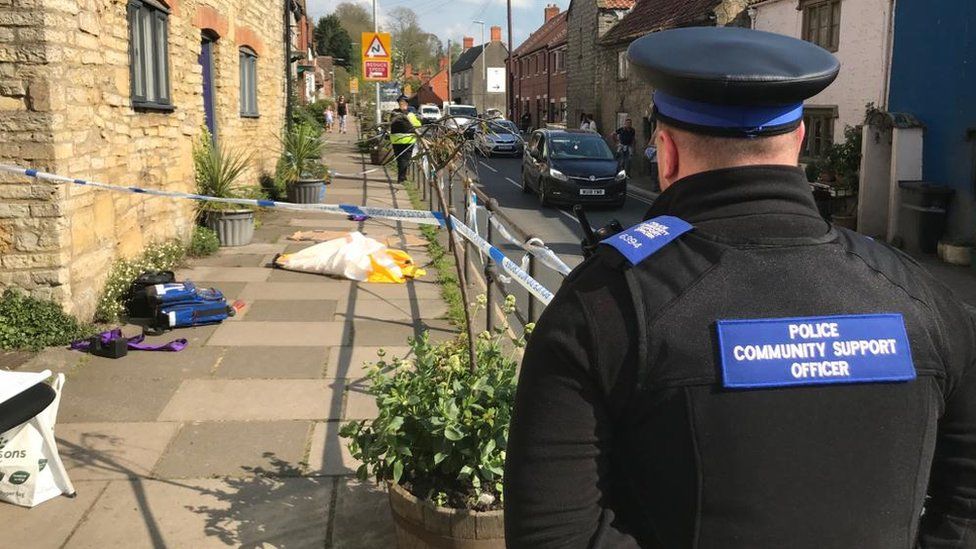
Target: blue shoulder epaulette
(642, 240)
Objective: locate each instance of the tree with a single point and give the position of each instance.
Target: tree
(332, 39)
(414, 45)
(355, 20)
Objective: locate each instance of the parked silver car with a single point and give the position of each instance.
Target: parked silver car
(498, 137)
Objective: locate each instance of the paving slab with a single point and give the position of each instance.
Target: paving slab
(273, 363)
(359, 403)
(284, 275)
(392, 309)
(313, 310)
(254, 399)
(413, 289)
(329, 453)
(50, 524)
(253, 512)
(57, 359)
(114, 399)
(299, 334)
(321, 288)
(194, 335)
(192, 362)
(350, 362)
(235, 448)
(253, 248)
(225, 274)
(372, 333)
(363, 519)
(111, 451)
(231, 260)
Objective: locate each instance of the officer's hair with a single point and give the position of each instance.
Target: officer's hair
(724, 151)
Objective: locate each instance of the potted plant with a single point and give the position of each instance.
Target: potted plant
(439, 439)
(843, 160)
(300, 166)
(217, 171)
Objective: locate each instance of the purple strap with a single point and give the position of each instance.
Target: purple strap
(134, 343)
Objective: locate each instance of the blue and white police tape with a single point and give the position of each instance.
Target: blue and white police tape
(539, 291)
(421, 217)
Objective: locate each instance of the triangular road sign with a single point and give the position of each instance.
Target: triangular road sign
(376, 48)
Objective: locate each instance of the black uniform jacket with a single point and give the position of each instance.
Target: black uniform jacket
(624, 436)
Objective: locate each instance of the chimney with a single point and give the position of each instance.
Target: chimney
(551, 11)
(443, 63)
(496, 34)
(468, 43)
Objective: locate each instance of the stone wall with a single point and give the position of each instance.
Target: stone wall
(66, 108)
(581, 27)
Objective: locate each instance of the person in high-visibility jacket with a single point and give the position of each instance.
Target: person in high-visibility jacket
(403, 136)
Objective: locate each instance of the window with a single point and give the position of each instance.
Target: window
(561, 60)
(623, 65)
(819, 122)
(149, 54)
(821, 23)
(249, 83)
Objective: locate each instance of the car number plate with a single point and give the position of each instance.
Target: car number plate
(593, 192)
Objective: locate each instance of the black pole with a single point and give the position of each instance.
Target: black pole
(489, 282)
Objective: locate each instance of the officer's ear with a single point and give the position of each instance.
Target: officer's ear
(668, 159)
(798, 136)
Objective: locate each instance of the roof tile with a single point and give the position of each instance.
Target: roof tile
(652, 15)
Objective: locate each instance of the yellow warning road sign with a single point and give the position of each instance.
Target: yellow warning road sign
(376, 51)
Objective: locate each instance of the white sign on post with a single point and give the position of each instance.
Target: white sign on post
(496, 79)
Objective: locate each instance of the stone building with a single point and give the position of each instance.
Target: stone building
(117, 91)
(539, 66)
(625, 95)
(468, 72)
(586, 22)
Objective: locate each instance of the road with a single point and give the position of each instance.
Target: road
(501, 178)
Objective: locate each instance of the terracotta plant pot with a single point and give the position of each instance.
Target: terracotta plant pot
(421, 525)
(306, 191)
(233, 227)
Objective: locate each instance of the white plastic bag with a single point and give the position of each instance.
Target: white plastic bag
(31, 471)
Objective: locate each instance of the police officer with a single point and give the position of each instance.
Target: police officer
(403, 136)
(733, 372)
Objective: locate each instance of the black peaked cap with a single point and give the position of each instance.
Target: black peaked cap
(733, 66)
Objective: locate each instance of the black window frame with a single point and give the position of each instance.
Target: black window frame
(149, 70)
(819, 122)
(815, 29)
(248, 60)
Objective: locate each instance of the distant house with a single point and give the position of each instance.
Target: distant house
(926, 129)
(433, 89)
(118, 92)
(478, 68)
(539, 72)
(586, 22)
(857, 32)
(624, 95)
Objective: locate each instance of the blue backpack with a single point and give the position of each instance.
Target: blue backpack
(182, 304)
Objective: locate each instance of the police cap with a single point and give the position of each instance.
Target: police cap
(730, 81)
(403, 99)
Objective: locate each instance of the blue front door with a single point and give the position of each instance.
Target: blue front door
(206, 62)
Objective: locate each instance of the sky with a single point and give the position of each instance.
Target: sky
(451, 19)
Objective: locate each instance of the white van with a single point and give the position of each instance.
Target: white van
(429, 113)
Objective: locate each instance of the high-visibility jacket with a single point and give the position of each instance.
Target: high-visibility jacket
(402, 128)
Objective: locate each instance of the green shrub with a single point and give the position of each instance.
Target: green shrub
(204, 242)
(157, 257)
(442, 428)
(29, 323)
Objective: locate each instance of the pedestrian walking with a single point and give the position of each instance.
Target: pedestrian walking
(588, 123)
(734, 372)
(624, 137)
(342, 111)
(403, 136)
(329, 118)
(526, 122)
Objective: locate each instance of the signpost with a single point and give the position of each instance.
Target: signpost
(376, 56)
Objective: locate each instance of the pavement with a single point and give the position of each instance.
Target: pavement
(234, 441)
